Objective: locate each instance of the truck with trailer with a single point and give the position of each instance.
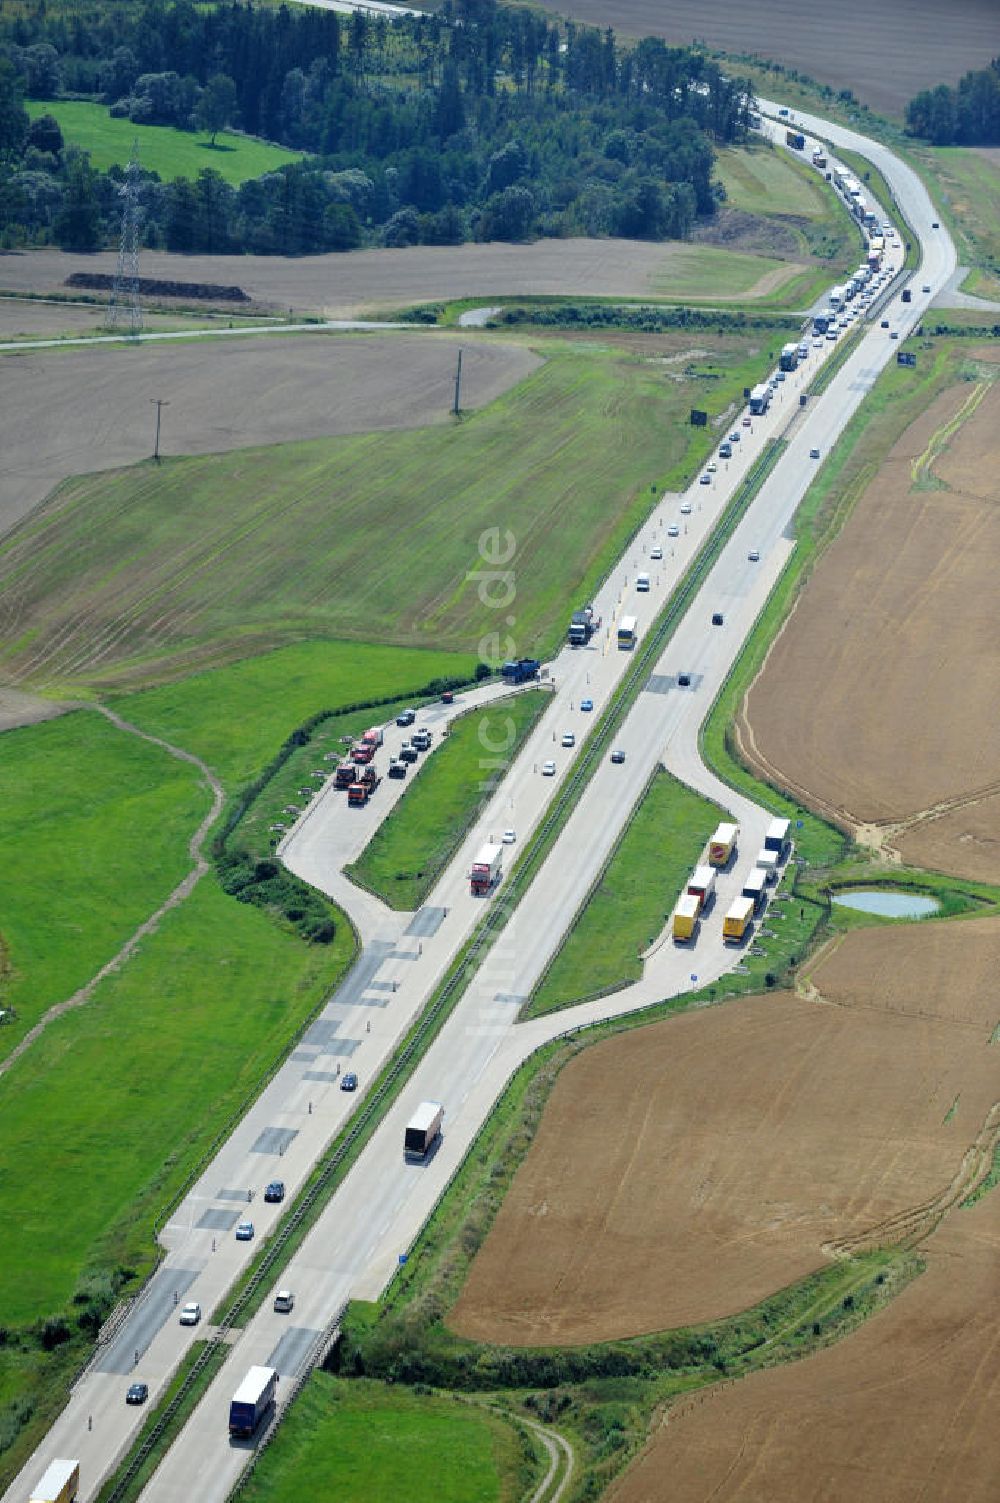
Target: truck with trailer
(362, 753)
(819, 157)
(59, 1483)
(520, 670)
(738, 919)
(627, 632)
(777, 837)
(345, 775)
(487, 869)
(837, 295)
(839, 178)
(760, 399)
(252, 1401)
(373, 738)
(795, 139)
(583, 625)
(755, 887)
(685, 917)
(701, 885)
(722, 844)
(788, 360)
(362, 789)
(823, 320)
(423, 1130)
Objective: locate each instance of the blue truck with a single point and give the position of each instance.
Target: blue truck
(252, 1401)
(521, 671)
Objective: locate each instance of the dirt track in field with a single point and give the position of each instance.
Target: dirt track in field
(885, 53)
(902, 1411)
(346, 286)
(99, 414)
(686, 1170)
(877, 702)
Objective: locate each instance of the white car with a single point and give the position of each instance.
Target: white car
(568, 738)
(673, 531)
(509, 837)
(548, 769)
(754, 555)
(190, 1314)
(685, 508)
(284, 1301)
(712, 467)
(656, 553)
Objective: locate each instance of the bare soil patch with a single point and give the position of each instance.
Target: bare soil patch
(878, 698)
(903, 1409)
(686, 1170)
(18, 708)
(74, 411)
(885, 53)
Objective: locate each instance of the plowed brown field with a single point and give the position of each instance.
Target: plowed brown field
(686, 1170)
(902, 1411)
(878, 700)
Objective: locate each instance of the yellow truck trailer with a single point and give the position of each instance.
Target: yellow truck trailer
(686, 916)
(722, 844)
(737, 921)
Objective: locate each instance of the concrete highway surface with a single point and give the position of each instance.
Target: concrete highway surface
(377, 1212)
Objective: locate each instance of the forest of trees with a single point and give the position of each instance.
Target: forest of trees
(478, 122)
(966, 115)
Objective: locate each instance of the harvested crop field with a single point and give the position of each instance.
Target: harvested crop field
(885, 53)
(903, 1409)
(686, 1170)
(97, 413)
(344, 286)
(877, 702)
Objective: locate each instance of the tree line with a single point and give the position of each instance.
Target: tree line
(966, 115)
(475, 123)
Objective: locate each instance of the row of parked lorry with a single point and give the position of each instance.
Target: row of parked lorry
(699, 893)
(357, 772)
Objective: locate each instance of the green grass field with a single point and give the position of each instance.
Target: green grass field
(236, 717)
(764, 181)
(147, 1074)
(375, 537)
(971, 186)
(705, 272)
(94, 836)
(410, 850)
(361, 1442)
(162, 149)
(633, 898)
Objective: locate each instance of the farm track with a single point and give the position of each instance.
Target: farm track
(183, 890)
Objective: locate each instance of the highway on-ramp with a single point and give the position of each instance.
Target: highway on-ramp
(377, 1211)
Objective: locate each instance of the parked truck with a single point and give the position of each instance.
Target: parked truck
(361, 791)
(59, 1483)
(252, 1401)
(520, 671)
(486, 869)
(722, 844)
(737, 920)
(686, 915)
(423, 1130)
(795, 139)
(701, 885)
(788, 360)
(777, 837)
(583, 625)
(760, 399)
(767, 862)
(755, 887)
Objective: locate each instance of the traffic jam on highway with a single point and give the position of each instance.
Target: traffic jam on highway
(257, 1396)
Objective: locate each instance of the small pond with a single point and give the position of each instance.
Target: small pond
(888, 904)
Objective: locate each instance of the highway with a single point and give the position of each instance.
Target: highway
(378, 1210)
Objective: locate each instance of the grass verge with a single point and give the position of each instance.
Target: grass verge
(632, 899)
(409, 851)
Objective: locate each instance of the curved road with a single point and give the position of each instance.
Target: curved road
(380, 1207)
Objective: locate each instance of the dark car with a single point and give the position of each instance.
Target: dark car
(618, 755)
(884, 324)
(716, 618)
(137, 1394)
(275, 1191)
(349, 1082)
(684, 680)
(447, 698)
(406, 717)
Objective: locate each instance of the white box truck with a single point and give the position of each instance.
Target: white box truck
(59, 1483)
(487, 869)
(701, 884)
(423, 1130)
(755, 887)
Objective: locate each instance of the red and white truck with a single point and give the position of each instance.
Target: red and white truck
(486, 869)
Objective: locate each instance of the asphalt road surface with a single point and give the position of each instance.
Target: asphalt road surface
(379, 1209)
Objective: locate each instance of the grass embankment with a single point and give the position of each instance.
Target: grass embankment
(633, 898)
(408, 853)
(765, 181)
(970, 191)
(80, 800)
(376, 536)
(162, 149)
(368, 1444)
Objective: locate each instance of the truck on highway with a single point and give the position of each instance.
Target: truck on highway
(583, 625)
(819, 157)
(362, 753)
(345, 775)
(755, 887)
(760, 399)
(795, 139)
(59, 1483)
(520, 670)
(627, 632)
(722, 844)
(822, 321)
(423, 1130)
(362, 789)
(252, 1401)
(737, 921)
(373, 738)
(487, 869)
(777, 837)
(788, 360)
(685, 917)
(837, 295)
(701, 885)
